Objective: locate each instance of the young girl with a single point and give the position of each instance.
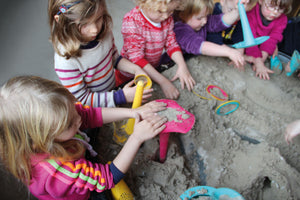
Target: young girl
(267, 18)
(194, 24)
(85, 53)
(42, 143)
(147, 30)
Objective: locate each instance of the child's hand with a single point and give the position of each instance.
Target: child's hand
(237, 59)
(261, 70)
(150, 109)
(292, 130)
(139, 71)
(148, 128)
(129, 92)
(170, 91)
(185, 77)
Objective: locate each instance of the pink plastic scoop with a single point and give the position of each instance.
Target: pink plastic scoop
(183, 123)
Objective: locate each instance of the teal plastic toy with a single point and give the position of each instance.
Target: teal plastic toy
(249, 40)
(275, 64)
(295, 63)
(213, 193)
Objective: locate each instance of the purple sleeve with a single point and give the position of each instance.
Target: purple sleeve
(119, 97)
(91, 117)
(188, 40)
(215, 23)
(117, 174)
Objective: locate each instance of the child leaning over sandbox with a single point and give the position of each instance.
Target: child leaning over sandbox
(147, 31)
(85, 53)
(42, 143)
(195, 22)
(267, 18)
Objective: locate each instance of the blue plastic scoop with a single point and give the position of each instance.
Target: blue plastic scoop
(249, 40)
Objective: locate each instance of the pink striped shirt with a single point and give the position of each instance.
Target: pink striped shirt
(70, 180)
(90, 78)
(143, 42)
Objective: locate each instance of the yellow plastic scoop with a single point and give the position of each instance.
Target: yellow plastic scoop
(142, 82)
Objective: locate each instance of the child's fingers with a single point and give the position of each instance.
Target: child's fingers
(130, 83)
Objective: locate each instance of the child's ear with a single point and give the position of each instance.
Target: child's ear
(56, 17)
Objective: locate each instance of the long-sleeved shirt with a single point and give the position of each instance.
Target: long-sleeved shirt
(190, 40)
(274, 30)
(53, 179)
(143, 42)
(91, 77)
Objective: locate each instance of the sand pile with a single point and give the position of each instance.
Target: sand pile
(244, 150)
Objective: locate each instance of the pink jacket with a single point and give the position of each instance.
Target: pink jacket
(274, 30)
(52, 179)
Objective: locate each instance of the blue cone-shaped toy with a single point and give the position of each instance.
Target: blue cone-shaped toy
(249, 40)
(295, 63)
(275, 64)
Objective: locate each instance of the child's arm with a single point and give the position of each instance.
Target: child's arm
(212, 49)
(129, 91)
(170, 91)
(182, 72)
(116, 114)
(292, 130)
(129, 67)
(232, 16)
(143, 130)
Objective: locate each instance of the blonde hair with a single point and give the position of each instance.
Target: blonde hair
(193, 7)
(156, 5)
(33, 112)
(65, 31)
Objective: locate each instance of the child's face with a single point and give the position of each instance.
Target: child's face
(269, 11)
(74, 126)
(227, 5)
(198, 21)
(90, 30)
(162, 14)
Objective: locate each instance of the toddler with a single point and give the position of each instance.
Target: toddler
(147, 31)
(85, 53)
(42, 142)
(267, 18)
(195, 22)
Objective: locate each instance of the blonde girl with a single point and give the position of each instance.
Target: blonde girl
(85, 53)
(267, 18)
(42, 143)
(147, 31)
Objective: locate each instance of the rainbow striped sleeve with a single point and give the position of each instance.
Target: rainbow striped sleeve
(79, 176)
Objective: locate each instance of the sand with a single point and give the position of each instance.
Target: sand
(244, 150)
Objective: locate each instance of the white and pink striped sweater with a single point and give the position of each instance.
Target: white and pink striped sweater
(143, 42)
(90, 78)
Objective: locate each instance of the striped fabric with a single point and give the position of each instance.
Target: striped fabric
(54, 179)
(90, 78)
(143, 42)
